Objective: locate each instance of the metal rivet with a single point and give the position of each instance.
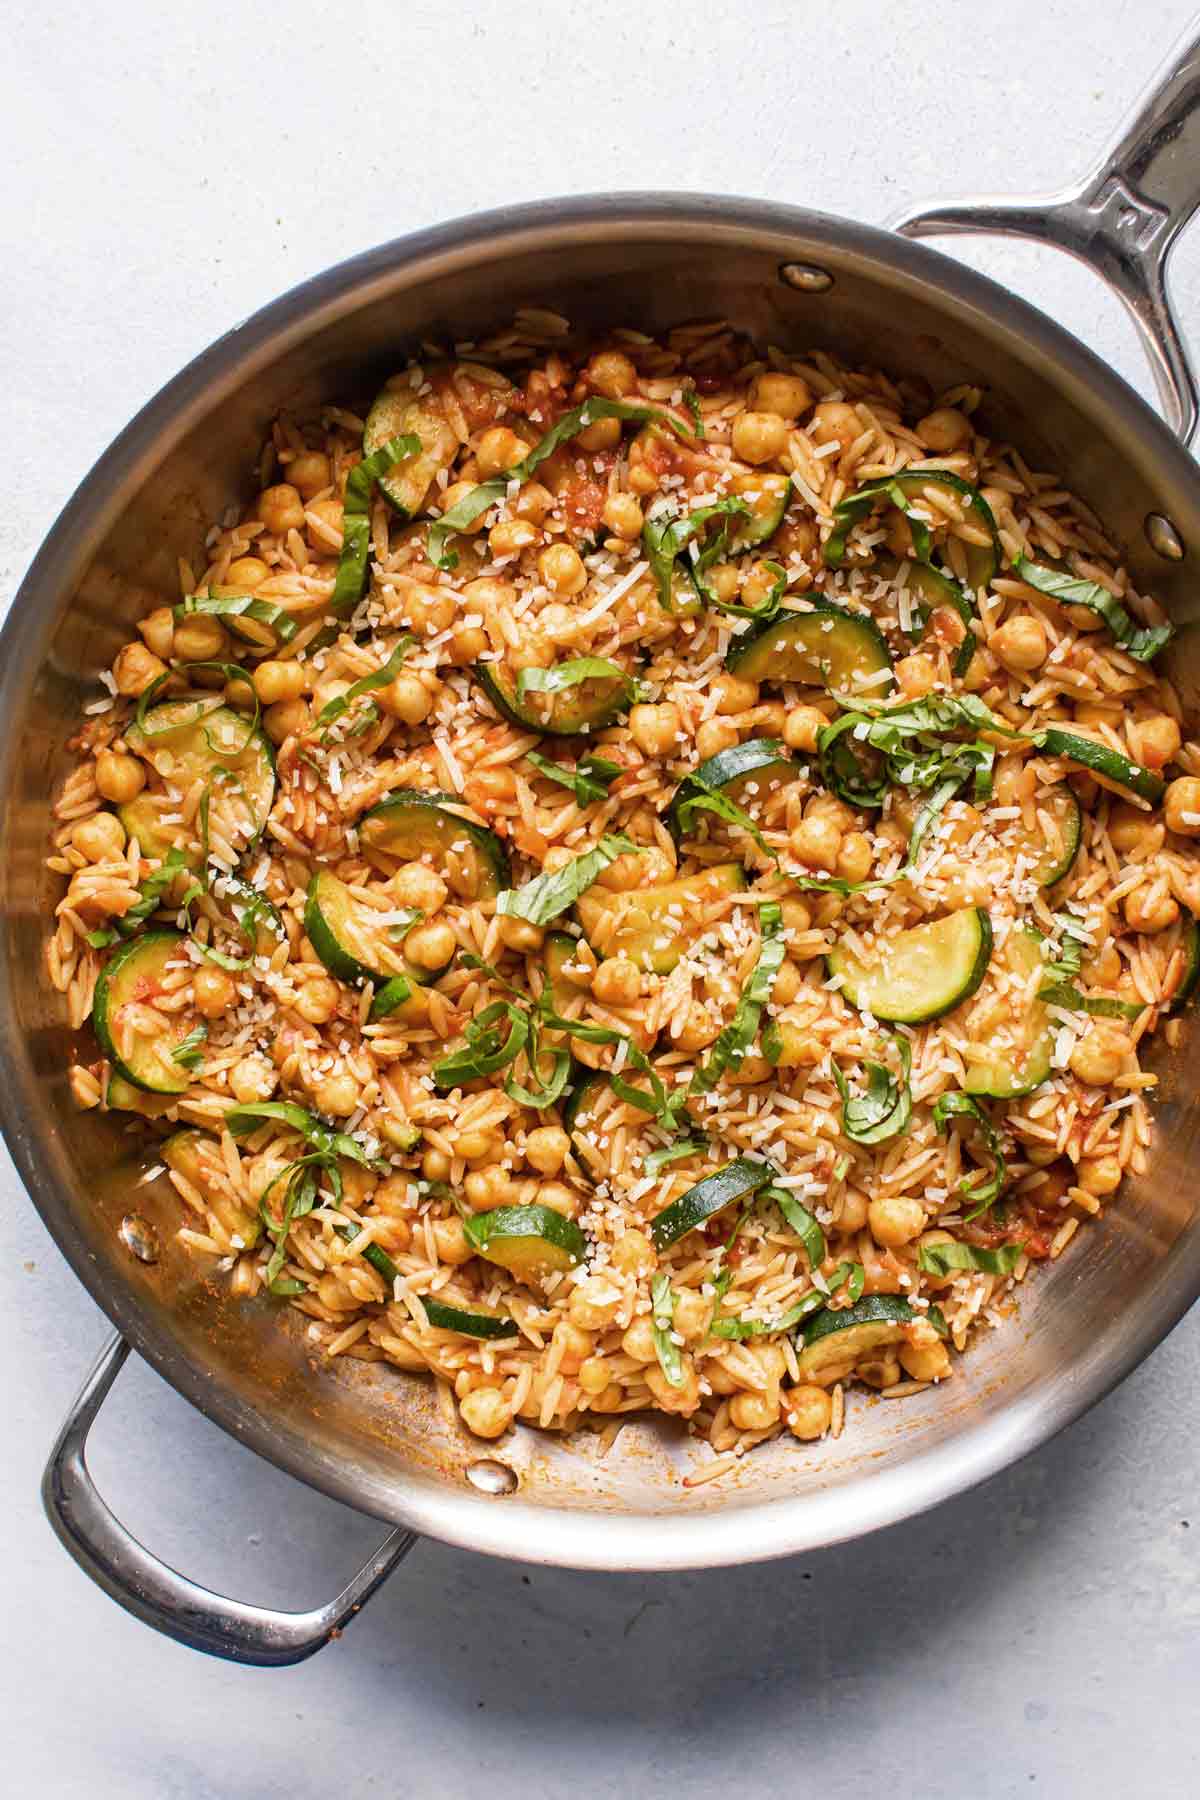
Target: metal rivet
(1164, 539)
(139, 1237)
(492, 1477)
(810, 278)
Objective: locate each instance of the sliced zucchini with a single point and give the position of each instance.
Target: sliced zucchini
(736, 1181)
(825, 646)
(526, 1240)
(1190, 934)
(579, 1114)
(763, 759)
(141, 818)
(560, 952)
(398, 412)
(196, 1155)
(419, 825)
(1020, 1052)
(922, 973)
(653, 926)
(588, 706)
(1054, 864)
(476, 1322)
(134, 976)
(253, 914)
(189, 740)
(350, 941)
(1109, 767)
(767, 497)
(901, 491)
(834, 1338)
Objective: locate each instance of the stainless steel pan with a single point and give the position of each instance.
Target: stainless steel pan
(364, 1433)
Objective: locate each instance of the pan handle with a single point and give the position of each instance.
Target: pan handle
(155, 1593)
(1122, 219)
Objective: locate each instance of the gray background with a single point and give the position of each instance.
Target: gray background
(166, 170)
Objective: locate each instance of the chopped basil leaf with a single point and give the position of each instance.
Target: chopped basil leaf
(350, 582)
(546, 896)
(666, 535)
(188, 1053)
(713, 801)
(550, 1088)
(946, 1259)
(152, 891)
(747, 1328)
(240, 606)
(736, 1038)
(658, 1160)
(488, 1048)
(691, 400)
(100, 940)
(390, 996)
(1142, 642)
(801, 1222)
(937, 1319)
(883, 1109)
(1098, 1006)
(982, 1192)
(662, 1303)
(240, 1121)
(589, 779)
(333, 709)
(569, 674)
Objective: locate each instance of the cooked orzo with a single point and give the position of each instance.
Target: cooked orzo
(635, 877)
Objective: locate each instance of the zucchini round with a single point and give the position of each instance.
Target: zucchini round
(1190, 932)
(834, 1338)
(398, 412)
(736, 1181)
(141, 818)
(653, 926)
(1109, 766)
(133, 976)
(418, 825)
(824, 646)
(982, 560)
(767, 497)
(588, 706)
(766, 758)
(1020, 1053)
(922, 973)
(349, 941)
(468, 1322)
(526, 1240)
(579, 1114)
(1068, 816)
(189, 740)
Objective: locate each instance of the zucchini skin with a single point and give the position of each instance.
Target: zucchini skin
(322, 933)
(736, 1181)
(738, 763)
(487, 844)
(1100, 760)
(579, 722)
(530, 1225)
(968, 985)
(166, 941)
(751, 654)
(1187, 987)
(873, 1309)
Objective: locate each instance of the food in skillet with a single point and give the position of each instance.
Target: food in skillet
(635, 876)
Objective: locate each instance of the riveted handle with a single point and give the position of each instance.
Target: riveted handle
(1122, 220)
(155, 1593)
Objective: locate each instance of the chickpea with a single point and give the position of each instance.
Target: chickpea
(135, 668)
(786, 395)
(405, 698)
(1156, 740)
(337, 1095)
(488, 1188)
(788, 982)
(244, 574)
(512, 536)
(499, 450)
(605, 434)
(275, 681)
(458, 490)
(200, 639)
(807, 1412)
(562, 570)
(944, 429)
(638, 1341)
(520, 935)
(485, 1412)
(1150, 907)
(593, 1375)
(633, 1253)
(546, 1149)
(759, 437)
(467, 644)
(100, 838)
(611, 373)
(895, 1220)
(252, 1079)
(559, 1198)
(692, 1315)
(324, 520)
(119, 778)
(803, 724)
(308, 473)
(1099, 1175)
(715, 735)
(427, 609)
(925, 1362)
(1020, 644)
(435, 1164)
(616, 982)
(769, 718)
(699, 1028)
(1099, 1055)
(671, 1398)
(281, 509)
(916, 675)
(1181, 806)
(635, 869)
(533, 502)
(816, 842)
(754, 1412)
(655, 729)
(430, 946)
(594, 1305)
(287, 718)
(835, 422)
(879, 1371)
(158, 631)
(317, 1000)
(796, 916)
(856, 857)
(854, 1209)
(623, 516)
(450, 1242)
(213, 992)
(478, 1146)
(733, 695)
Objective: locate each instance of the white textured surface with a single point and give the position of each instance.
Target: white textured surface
(167, 170)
